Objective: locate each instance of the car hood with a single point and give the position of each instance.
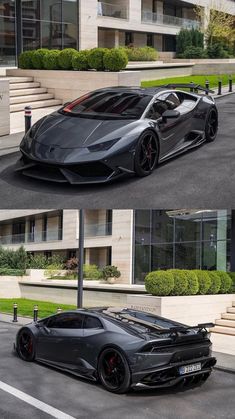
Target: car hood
(62, 131)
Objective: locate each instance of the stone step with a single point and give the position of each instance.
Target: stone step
(231, 310)
(20, 79)
(224, 330)
(26, 85)
(35, 105)
(226, 323)
(26, 92)
(228, 316)
(31, 98)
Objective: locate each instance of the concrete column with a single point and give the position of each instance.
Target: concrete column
(88, 30)
(160, 7)
(221, 256)
(4, 107)
(116, 38)
(135, 10)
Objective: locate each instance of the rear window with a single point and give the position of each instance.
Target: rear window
(112, 103)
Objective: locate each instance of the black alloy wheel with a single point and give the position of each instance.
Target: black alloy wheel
(146, 156)
(113, 371)
(211, 125)
(26, 345)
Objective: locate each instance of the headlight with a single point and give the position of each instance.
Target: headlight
(102, 146)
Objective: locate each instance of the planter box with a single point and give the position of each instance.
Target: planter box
(38, 274)
(190, 310)
(4, 107)
(9, 286)
(69, 85)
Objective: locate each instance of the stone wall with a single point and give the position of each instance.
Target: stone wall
(4, 107)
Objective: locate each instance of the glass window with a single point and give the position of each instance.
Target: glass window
(187, 255)
(187, 228)
(162, 257)
(162, 227)
(7, 33)
(66, 321)
(51, 10)
(91, 322)
(142, 262)
(142, 227)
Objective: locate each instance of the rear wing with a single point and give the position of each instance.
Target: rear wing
(193, 86)
(201, 327)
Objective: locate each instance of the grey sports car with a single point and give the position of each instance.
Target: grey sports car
(123, 348)
(118, 131)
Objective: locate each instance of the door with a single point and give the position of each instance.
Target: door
(61, 338)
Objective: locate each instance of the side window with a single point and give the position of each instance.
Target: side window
(66, 321)
(172, 100)
(157, 109)
(91, 322)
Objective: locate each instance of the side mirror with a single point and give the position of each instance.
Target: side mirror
(170, 114)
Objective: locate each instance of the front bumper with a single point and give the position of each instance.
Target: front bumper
(91, 172)
(168, 376)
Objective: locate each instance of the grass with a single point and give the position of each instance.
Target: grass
(213, 79)
(25, 307)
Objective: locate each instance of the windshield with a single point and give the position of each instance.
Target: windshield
(112, 103)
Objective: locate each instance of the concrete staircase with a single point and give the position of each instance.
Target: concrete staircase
(226, 324)
(25, 91)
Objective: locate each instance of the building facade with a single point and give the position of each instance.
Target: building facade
(81, 24)
(136, 241)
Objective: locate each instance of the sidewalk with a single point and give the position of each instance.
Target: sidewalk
(225, 361)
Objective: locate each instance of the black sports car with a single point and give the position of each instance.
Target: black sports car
(123, 348)
(117, 131)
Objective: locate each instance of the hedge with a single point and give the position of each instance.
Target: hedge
(96, 58)
(159, 283)
(25, 59)
(65, 58)
(189, 282)
(37, 58)
(80, 60)
(50, 60)
(11, 272)
(115, 60)
(140, 54)
(91, 272)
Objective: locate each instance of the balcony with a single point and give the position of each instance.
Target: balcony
(155, 18)
(97, 230)
(112, 10)
(36, 237)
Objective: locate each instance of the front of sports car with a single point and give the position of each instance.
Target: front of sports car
(91, 140)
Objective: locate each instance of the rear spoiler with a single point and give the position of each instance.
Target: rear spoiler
(193, 86)
(174, 330)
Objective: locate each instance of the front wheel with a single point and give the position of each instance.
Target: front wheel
(114, 372)
(146, 156)
(211, 127)
(25, 345)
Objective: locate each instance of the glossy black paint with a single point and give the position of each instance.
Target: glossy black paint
(149, 343)
(70, 148)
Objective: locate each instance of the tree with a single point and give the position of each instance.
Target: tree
(218, 23)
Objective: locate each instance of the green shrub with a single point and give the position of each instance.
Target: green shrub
(110, 272)
(25, 59)
(232, 276)
(226, 282)
(13, 259)
(215, 282)
(37, 58)
(52, 271)
(37, 262)
(204, 281)
(115, 59)
(91, 272)
(96, 58)
(65, 58)
(11, 272)
(50, 60)
(194, 52)
(141, 54)
(216, 50)
(80, 60)
(193, 285)
(159, 283)
(180, 282)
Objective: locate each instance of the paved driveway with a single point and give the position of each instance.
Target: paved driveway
(201, 178)
(63, 396)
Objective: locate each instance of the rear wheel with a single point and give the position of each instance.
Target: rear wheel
(146, 156)
(211, 125)
(114, 371)
(26, 345)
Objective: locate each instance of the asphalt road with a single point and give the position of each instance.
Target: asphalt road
(81, 399)
(204, 177)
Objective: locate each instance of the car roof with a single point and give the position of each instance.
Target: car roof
(152, 91)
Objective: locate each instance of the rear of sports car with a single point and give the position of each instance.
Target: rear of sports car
(180, 358)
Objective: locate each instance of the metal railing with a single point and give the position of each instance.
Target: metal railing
(112, 10)
(96, 230)
(150, 17)
(36, 237)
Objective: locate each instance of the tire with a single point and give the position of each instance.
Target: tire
(113, 371)
(25, 345)
(211, 126)
(146, 155)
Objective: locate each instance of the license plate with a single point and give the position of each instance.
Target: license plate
(186, 369)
